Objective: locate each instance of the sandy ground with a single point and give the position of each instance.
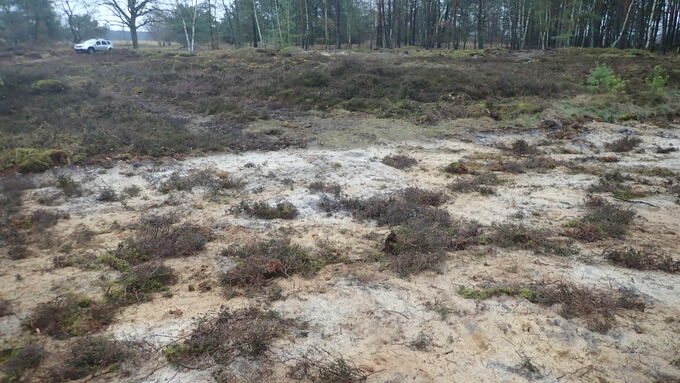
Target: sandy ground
(356, 309)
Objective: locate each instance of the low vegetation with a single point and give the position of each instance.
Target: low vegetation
(22, 360)
(642, 259)
(70, 315)
(213, 181)
(324, 367)
(138, 283)
(219, 340)
(158, 239)
(263, 210)
(90, 355)
(602, 220)
(482, 184)
(596, 307)
(260, 262)
(399, 161)
(624, 144)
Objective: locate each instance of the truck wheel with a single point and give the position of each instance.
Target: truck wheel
(90, 50)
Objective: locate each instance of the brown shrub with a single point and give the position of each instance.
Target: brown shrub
(70, 315)
(89, 355)
(43, 219)
(5, 308)
(597, 307)
(396, 208)
(480, 184)
(137, 284)
(26, 358)
(246, 333)
(458, 167)
(328, 188)
(624, 144)
(603, 220)
(642, 260)
(399, 161)
(158, 239)
(212, 180)
(323, 367)
(260, 262)
(522, 148)
(263, 210)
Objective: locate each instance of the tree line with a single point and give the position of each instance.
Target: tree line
(453, 24)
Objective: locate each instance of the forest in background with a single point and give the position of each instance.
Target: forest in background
(452, 24)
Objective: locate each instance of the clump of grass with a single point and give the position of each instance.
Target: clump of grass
(90, 355)
(624, 144)
(70, 315)
(603, 220)
(597, 307)
(22, 360)
(399, 161)
(262, 261)
(481, 184)
(69, 186)
(642, 260)
(482, 294)
(138, 283)
(263, 210)
(212, 180)
(244, 333)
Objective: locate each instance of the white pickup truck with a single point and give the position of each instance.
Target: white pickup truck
(93, 45)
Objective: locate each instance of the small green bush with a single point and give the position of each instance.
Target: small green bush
(657, 80)
(603, 80)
